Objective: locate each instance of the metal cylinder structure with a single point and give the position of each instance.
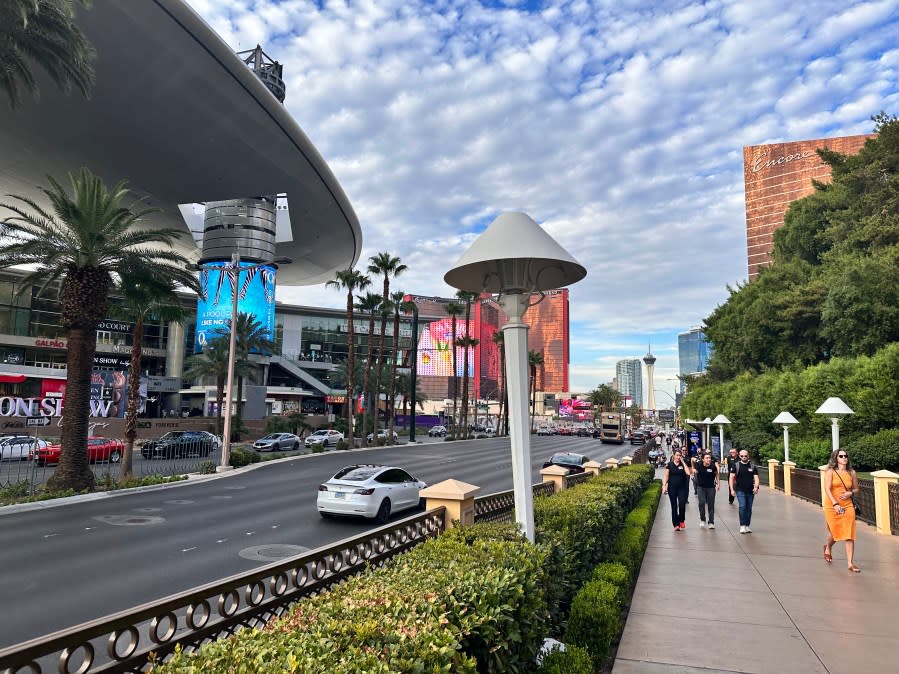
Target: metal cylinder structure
(245, 226)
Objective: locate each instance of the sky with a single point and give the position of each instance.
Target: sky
(618, 125)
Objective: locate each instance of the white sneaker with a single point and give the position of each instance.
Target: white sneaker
(711, 525)
(701, 524)
(743, 529)
(748, 530)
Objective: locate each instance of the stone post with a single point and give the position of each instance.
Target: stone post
(627, 460)
(612, 463)
(593, 467)
(825, 488)
(556, 475)
(457, 497)
(788, 477)
(771, 464)
(882, 481)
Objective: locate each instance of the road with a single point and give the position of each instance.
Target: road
(65, 565)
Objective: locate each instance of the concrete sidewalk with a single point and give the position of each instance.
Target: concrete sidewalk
(720, 601)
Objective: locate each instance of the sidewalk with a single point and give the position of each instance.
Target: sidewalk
(783, 610)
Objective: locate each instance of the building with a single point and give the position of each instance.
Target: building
(693, 351)
(775, 176)
(629, 375)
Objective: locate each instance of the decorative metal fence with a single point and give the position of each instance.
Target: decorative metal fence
(763, 475)
(894, 507)
(571, 480)
(641, 454)
(779, 478)
(500, 506)
(806, 484)
(123, 642)
(865, 500)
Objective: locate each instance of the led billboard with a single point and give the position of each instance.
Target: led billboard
(255, 296)
(435, 357)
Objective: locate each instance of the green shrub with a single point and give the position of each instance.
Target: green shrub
(875, 452)
(206, 467)
(573, 660)
(810, 454)
(628, 549)
(617, 574)
(317, 448)
(243, 457)
(771, 450)
(751, 440)
(595, 619)
(342, 445)
(640, 518)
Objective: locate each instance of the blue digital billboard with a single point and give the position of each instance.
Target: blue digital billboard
(255, 290)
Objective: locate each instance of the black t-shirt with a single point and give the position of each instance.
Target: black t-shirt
(746, 473)
(705, 475)
(677, 474)
(732, 463)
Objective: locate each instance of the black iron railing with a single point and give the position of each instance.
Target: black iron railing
(123, 642)
(894, 507)
(865, 500)
(763, 475)
(806, 484)
(571, 480)
(779, 478)
(500, 506)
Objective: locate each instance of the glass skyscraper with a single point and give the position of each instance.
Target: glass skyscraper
(629, 375)
(693, 353)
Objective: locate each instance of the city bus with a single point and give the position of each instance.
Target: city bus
(612, 427)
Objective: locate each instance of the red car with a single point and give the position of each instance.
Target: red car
(98, 449)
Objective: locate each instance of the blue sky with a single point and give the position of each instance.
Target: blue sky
(617, 124)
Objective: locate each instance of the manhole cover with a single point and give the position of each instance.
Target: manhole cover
(148, 510)
(272, 552)
(129, 520)
(178, 502)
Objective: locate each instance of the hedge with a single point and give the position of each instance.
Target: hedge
(243, 457)
(876, 452)
(573, 660)
(595, 618)
(617, 574)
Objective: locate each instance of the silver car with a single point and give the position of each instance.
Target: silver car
(274, 442)
(16, 447)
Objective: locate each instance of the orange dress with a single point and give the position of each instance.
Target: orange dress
(842, 527)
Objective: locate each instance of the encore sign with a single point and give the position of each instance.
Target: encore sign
(45, 407)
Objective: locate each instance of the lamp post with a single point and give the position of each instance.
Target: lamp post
(786, 420)
(532, 262)
(411, 306)
(834, 408)
(721, 420)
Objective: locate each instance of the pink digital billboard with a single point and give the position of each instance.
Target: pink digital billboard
(435, 356)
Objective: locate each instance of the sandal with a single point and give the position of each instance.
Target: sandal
(827, 556)
(855, 569)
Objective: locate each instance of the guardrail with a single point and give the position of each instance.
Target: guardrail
(865, 499)
(893, 491)
(577, 478)
(806, 484)
(125, 640)
(500, 506)
(779, 477)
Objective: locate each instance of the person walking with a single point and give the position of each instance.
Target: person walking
(841, 483)
(675, 483)
(744, 485)
(707, 483)
(731, 465)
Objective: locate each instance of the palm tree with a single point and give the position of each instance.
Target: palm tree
(454, 310)
(467, 298)
(386, 265)
(404, 387)
(213, 362)
(499, 338)
(368, 303)
(143, 299)
(350, 280)
(535, 358)
(399, 305)
(465, 343)
(86, 241)
(43, 32)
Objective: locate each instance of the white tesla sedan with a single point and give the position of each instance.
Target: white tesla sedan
(369, 491)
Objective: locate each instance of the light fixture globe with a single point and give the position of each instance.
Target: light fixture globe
(834, 407)
(514, 255)
(785, 419)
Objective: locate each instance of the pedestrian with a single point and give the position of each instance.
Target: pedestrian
(731, 464)
(841, 483)
(675, 483)
(744, 485)
(707, 482)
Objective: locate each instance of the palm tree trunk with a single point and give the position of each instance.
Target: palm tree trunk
(391, 396)
(455, 380)
(235, 427)
(137, 338)
(466, 378)
(219, 397)
(350, 358)
(366, 376)
(376, 400)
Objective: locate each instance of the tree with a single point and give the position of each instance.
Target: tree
(465, 343)
(43, 33)
(467, 298)
(604, 397)
(453, 310)
(213, 362)
(88, 242)
(387, 266)
(350, 280)
(399, 305)
(535, 359)
(368, 303)
(499, 338)
(143, 299)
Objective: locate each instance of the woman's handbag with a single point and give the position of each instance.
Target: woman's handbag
(858, 511)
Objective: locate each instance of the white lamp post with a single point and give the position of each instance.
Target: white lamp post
(834, 408)
(721, 420)
(515, 257)
(707, 422)
(786, 420)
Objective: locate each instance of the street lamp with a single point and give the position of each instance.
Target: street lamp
(234, 269)
(786, 420)
(721, 420)
(835, 409)
(532, 261)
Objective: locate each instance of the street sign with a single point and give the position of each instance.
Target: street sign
(666, 416)
(37, 421)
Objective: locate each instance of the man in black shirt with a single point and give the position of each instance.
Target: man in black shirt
(731, 464)
(744, 485)
(706, 476)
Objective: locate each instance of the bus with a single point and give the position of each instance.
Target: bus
(612, 427)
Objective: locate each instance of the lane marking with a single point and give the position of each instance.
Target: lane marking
(221, 540)
(188, 549)
(51, 535)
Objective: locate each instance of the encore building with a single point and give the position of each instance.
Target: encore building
(774, 177)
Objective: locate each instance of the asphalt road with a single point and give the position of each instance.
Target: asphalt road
(65, 565)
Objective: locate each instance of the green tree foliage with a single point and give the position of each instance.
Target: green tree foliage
(605, 398)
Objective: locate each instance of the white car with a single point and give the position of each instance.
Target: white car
(325, 437)
(274, 442)
(382, 435)
(369, 491)
(17, 447)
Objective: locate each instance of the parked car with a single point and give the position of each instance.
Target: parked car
(326, 437)
(369, 491)
(544, 430)
(176, 444)
(638, 438)
(382, 435)
(274, 442)
(437, 431)
(574, 463)
(98, 449)
(19, 447)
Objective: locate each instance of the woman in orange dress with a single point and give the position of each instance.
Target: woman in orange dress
(839, 512)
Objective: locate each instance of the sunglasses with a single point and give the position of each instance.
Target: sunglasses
(744, 456)
(842, 456)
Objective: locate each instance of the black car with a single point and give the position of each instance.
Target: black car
(638, 438)
(573, 462)
(175, 444)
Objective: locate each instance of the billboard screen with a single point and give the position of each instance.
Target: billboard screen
(434, 355)
(255, 296)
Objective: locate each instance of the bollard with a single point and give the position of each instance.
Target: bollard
(556, 475)
(593, 467)
(882, 481)
(457, 497)
(825, 488)
(788, 477)
(771, 477)
(627, 460)
(612, 463)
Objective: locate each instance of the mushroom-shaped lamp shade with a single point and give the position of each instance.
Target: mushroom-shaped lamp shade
(834, 407)
(514, 255)
(721, 419)
(785, 419)
(706, 421)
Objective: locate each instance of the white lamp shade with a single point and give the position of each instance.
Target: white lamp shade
(721, 419)
(785, 419)
(706, 421)
(514, 256)
(834, 407)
